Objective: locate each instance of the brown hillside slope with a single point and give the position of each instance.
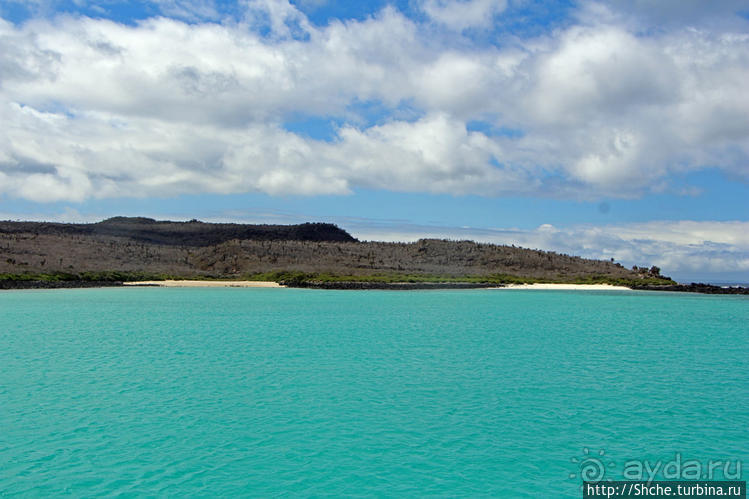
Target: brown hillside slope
(191, 249)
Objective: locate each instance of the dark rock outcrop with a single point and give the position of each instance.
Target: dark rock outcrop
(23, 284)
(695, 288)
(192, 233)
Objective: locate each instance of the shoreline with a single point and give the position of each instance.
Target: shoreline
(204, 284)
(568, 287)
(698, 288)
(10, 285)
(364, 285)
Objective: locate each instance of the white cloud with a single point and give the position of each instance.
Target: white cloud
(619, 112)
(93, 108)
(399, 156)
(279, 16)
(591, 74)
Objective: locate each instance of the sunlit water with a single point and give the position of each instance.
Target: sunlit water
(265, 392)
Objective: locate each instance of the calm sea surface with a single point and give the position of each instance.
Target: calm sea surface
(264, 392)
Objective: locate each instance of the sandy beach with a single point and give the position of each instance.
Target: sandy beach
(207, 284)
(589, 287)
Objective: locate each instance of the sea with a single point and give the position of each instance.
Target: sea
(295, 392)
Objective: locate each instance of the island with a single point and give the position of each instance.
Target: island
(123, 250)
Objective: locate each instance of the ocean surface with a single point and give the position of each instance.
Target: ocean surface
(269, 392)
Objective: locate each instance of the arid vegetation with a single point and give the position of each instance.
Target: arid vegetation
(128, 249)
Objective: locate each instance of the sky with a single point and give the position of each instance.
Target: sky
(605, 129)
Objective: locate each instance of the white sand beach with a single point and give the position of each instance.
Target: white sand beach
(207, 284)
(591, 287)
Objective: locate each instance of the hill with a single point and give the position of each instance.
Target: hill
(192, 233)
(124, 248)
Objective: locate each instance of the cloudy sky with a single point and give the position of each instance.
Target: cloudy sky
(615, 129)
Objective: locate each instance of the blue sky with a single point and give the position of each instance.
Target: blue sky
(600, 128)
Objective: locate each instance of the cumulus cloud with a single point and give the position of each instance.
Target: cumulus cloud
(94, 108)
(282, 19)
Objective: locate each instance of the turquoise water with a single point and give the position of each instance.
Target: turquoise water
(263, 392)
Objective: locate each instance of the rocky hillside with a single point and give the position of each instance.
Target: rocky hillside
(191, 249)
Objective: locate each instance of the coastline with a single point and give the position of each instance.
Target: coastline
(10, 285)
(362, 285)
(699, 288)
(568, 287)
(205, 284)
